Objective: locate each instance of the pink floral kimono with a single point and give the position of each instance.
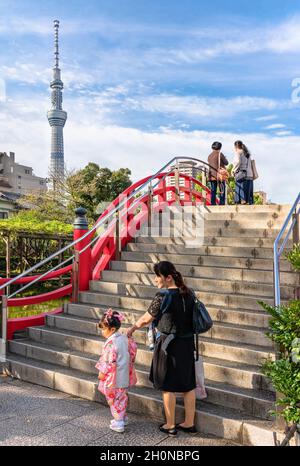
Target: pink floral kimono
(117, 364)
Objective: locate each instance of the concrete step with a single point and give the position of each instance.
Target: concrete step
(226, 251)
(186, 212)
(241, 216)
(205, 260)
(224, 331)
(210, 419)
(254, 402)
(113, 281)
(217, 313)
(139, 298)
(216, 370)
(189, 216)
(266, 208)
(216, 348)
(218, 273)
(170, 237)
(264, 233)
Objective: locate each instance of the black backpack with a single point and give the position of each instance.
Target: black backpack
(202, 321)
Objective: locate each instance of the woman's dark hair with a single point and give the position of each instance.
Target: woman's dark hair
(241, 145)
(165, 268)
(216, 145)
(110, 319)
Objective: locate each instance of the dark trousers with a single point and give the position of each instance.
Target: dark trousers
(244, 192)
(248, 190)
(213, 186)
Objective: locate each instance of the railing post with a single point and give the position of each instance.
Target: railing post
(84, 259)
(117, 236)
(177, 183)
(75, 277)
(296, 229)
(150, 201)
(3, 339)
(204, 184)
(276, 276)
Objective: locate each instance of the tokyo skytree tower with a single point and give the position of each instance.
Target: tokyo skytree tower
(57, 118)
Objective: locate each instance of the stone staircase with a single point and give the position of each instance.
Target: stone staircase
(230, 272)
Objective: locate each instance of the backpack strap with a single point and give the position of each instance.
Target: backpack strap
(197, 346)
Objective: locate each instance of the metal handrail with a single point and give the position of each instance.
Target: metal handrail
(277, 253)
(97, 224)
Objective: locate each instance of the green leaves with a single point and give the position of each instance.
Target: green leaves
(284, 324)
(94, 185)
(285, 376)
(31, 221)
(285, 332)
(295, 354)
(294, 257)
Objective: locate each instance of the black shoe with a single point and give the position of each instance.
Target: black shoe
(171, 432)
(190, 430)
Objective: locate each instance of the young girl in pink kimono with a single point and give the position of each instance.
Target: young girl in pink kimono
(116, 369)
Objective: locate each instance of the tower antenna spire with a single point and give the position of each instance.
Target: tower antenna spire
(56, 49)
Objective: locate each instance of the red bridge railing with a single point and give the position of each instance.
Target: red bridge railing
(93, 249)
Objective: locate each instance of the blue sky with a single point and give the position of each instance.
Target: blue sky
(145, 81)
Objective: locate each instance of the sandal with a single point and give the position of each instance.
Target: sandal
(171, 432)
(190, 430)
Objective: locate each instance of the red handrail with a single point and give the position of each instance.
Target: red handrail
(104, 249)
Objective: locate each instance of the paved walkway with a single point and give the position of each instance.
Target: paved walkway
(33, 415)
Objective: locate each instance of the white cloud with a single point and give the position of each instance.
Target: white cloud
(284, 133)
(275, 126)
(215, 108)
(266, 118)
(286, 37)
(89, 137)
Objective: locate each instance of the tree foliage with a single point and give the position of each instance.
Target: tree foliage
(284, 372)
(94, 185)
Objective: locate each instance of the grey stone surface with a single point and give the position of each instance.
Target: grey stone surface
(196, 440)
(31, 415)
(3, 378)
(65, 435)
(138, 433)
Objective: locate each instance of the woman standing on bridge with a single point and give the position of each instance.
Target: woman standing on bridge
(243, 175)
(173, 365)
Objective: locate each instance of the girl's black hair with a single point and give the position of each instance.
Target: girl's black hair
(241, 145)
(112, 321)
(216, 145)
(166, 268)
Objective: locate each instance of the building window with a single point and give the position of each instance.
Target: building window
(3, 215)
(19, 176)
(41, 182)
(27, 172)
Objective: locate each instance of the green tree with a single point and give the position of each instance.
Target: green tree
(93, 185)
(284, 372)
(88, 187)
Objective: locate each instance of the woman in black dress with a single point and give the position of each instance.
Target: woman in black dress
(173, 365)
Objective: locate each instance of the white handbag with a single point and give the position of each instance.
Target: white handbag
(254, 170)
(200, 387)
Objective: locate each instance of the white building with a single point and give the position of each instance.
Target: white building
(17, 178)
(188, 168)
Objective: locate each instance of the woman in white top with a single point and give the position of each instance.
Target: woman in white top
(243, 175)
